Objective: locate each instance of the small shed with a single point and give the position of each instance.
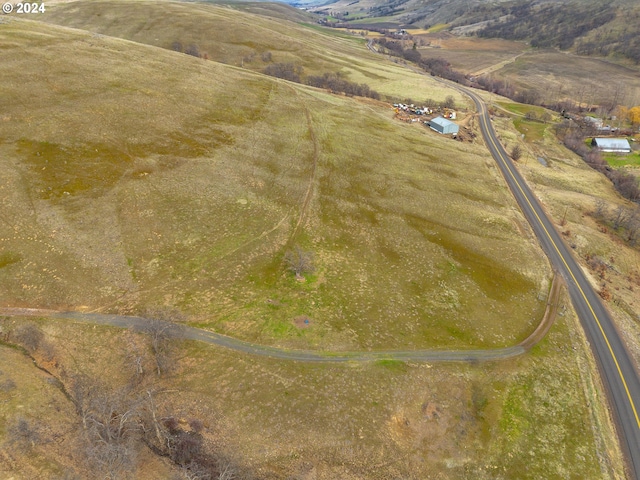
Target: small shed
(616, 145)
(444, 126)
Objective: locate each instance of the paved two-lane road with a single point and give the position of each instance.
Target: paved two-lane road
(619, 374)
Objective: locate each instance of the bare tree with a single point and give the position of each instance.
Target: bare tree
(632, 227)
(449, 102)
(161, 328)
(619, 216)
(601, 208)
(110, 426)
(299, 261)
(160, 333)
(135, 356)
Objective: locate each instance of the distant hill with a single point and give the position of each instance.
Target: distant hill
(252, 35)
(587, 27)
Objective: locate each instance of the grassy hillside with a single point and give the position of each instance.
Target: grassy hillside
(139, 176)
(232, 35)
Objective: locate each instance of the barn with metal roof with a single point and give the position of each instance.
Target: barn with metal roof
(616, 145)
(444, 126)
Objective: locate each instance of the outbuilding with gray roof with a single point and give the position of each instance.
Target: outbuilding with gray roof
(444, 126)
(616, 145)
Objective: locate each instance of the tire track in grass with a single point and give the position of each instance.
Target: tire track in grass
(316, 153)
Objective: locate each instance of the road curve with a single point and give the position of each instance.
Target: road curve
(616, 367)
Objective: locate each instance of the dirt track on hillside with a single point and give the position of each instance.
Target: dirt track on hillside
(185, 332)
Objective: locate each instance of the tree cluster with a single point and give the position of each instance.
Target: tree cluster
(438, 67)
(606, 42)
(337, 84)
(551, 25)
(286, 71)
(623, 220)
(441, 68)
(387, 9)
(331, 81)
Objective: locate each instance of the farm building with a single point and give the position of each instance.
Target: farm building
(616, 145)
(444, 126)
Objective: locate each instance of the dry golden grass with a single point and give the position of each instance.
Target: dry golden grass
(586, 80)
(203, 172)
(469, 54)
(234, 36)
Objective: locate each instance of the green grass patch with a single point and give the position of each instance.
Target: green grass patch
(438, 27)
(393, 365)
(533, 131)
(9, 258)
(522, 108)
(620, 160)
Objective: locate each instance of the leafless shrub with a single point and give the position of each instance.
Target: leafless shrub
(135, 357)
(449, 102)
(266, 57)
(161, 328)
(160, 334)
(22, 434)
(287, 71)
(7, 385)
(166, 436)
(600, 211)
(620, 216)
(632, 226)
(29, 336)
(196, 425)
(193, 50)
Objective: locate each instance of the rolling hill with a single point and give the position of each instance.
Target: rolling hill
(584, 26)
(234, 36)
(137, 178)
